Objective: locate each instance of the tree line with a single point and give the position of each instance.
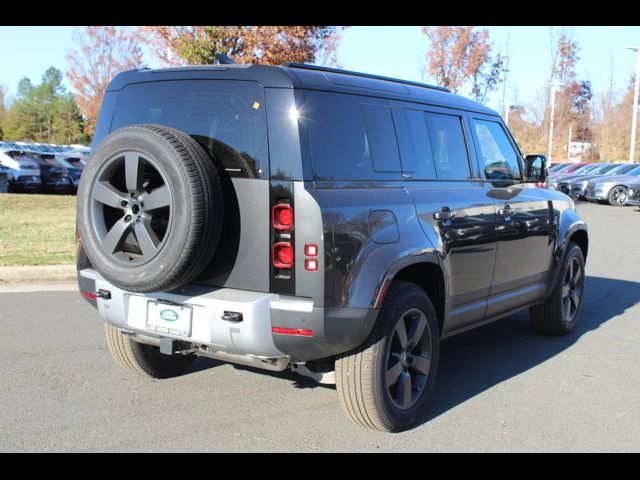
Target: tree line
(461, 58)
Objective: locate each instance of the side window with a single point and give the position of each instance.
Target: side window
(497, 157)
(449, 147)
(413, 140)
(343, 146)
(381, 138)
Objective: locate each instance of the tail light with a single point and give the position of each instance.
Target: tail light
(282, 255)
(282, 216)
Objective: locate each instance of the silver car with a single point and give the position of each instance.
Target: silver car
(613, 189)
(633, 193)
(599, 169)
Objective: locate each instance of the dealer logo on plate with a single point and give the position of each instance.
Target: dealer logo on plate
(169, 315)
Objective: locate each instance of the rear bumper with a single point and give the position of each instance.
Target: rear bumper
(334, 331)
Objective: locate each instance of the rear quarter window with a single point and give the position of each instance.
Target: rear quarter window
(352, 137)
(226, 117)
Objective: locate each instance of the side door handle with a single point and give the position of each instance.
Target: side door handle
(444, 214)
(506, 211)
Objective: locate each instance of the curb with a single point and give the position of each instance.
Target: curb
(37, 273)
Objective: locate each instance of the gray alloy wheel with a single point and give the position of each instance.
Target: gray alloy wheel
(571, 289)
(130, 225)
(408, 359)
(618, 196)
(559, 314)
(386, 382)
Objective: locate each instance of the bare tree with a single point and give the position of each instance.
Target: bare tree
(101, 52)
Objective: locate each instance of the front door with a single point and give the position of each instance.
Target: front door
(524, 219)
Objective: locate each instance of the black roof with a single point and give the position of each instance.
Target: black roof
(307, 77)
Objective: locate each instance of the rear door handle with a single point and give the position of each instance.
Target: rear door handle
(444, 214)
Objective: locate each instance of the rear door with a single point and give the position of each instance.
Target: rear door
(452, 203)
(523, 229)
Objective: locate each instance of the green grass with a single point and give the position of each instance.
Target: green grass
(37, 229)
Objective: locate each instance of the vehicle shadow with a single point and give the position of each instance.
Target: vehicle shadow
(475, 361)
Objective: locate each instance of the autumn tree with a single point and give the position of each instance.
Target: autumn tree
(101, 53)
(274, 45)
(459, 55)
(612, 129)
(573, 109)
(44, 113)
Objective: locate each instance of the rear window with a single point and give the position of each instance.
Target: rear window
(352, 137)
(226, 117)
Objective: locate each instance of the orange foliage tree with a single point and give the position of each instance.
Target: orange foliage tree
(101, 52)
(266, 44)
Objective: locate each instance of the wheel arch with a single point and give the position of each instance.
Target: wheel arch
(426, 274)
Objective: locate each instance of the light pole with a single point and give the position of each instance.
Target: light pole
(634, 117)
(507, 109)
(553, 106)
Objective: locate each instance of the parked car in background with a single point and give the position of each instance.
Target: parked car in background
(633, 193)
(74, 166)
(613, 189)
(601, 169)
(54, 176)
(23, 173)
(553, 181)
(568, 168)
(578, 186)
(4, 180)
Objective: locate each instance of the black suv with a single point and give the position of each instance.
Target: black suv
(335, 223)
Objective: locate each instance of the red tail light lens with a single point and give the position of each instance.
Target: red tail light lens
(282, 255)
(282, 216)
(292, 331)
(311, 264)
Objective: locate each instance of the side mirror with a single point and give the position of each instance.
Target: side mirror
(535, 168)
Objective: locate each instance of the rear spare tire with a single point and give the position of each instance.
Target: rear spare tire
(150, 208)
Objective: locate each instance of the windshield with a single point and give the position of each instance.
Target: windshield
(47, 161)
(586, 168)
(558, 168)
(621, 169)
(603, 169)
(23, 160)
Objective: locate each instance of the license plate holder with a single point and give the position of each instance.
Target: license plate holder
(170, 319)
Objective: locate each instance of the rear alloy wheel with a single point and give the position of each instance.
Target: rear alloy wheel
(385, 384)
(618, 196)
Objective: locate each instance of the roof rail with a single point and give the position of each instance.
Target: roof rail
(359, 74)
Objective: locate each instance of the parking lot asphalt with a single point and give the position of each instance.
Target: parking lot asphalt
(501, 387)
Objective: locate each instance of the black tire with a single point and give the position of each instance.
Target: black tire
(361, 374)
(618, 196)
(551, 317)
(144, 359)
(192, 209)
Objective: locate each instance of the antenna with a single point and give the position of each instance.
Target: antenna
(222, 59)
